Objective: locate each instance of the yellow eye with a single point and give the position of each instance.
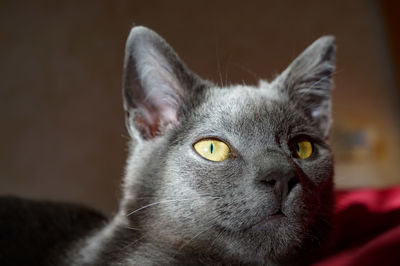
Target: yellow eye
(304, 149)
(213, 150)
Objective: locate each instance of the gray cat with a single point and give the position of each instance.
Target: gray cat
(236, 175)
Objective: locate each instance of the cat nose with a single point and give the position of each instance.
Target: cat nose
(281, 182)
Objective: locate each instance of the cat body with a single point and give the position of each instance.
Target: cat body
(38, 232)
(259, 193)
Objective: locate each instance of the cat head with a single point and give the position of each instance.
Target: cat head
(241, 171)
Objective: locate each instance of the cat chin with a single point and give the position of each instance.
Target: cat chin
(270, 222)
(280, 250)
(261, 253)
(281, 241)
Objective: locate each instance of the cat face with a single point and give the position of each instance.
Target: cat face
(240, 172)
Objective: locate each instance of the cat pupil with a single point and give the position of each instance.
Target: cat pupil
(212, 148)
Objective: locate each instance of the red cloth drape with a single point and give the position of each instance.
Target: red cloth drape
(366, 228)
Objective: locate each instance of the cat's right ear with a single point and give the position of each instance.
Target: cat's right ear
(155, 84)
(308, 82)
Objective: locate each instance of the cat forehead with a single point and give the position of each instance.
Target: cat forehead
(247, 111)
(244, 101)
(245, 94)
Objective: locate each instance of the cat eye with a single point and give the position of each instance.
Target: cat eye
(212, 149)
(304, 149)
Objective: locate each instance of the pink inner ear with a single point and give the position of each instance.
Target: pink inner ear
(160, 92)
(168, 116)
(156, 120)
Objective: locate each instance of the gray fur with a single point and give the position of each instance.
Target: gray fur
(180, 209)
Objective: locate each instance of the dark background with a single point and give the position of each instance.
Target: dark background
(62, 129)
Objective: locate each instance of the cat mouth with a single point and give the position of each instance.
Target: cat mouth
(271, 221)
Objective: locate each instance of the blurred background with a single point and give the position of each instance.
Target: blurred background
(62, 123)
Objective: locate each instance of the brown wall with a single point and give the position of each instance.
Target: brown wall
(62, 128)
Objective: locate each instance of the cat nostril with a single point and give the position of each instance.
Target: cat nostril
(292, 182)
(281, 183)
(269, 183)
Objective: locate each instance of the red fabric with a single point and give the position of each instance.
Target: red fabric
(366, 228)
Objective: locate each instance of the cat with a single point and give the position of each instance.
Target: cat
(237, 175)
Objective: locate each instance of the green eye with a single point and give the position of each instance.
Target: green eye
(304, 149)
(213, 150)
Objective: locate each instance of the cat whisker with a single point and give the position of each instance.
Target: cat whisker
(162, 202)
(132, 228)
(227, 68)
(219, 66)
(209, 196)
(195, 236)
(247, 70)
(319, 81)
(199, 233)
(216, 238)
(132, 243)
(155, 203)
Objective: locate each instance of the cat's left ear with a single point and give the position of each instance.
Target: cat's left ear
(156, 84)
(308, 82)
